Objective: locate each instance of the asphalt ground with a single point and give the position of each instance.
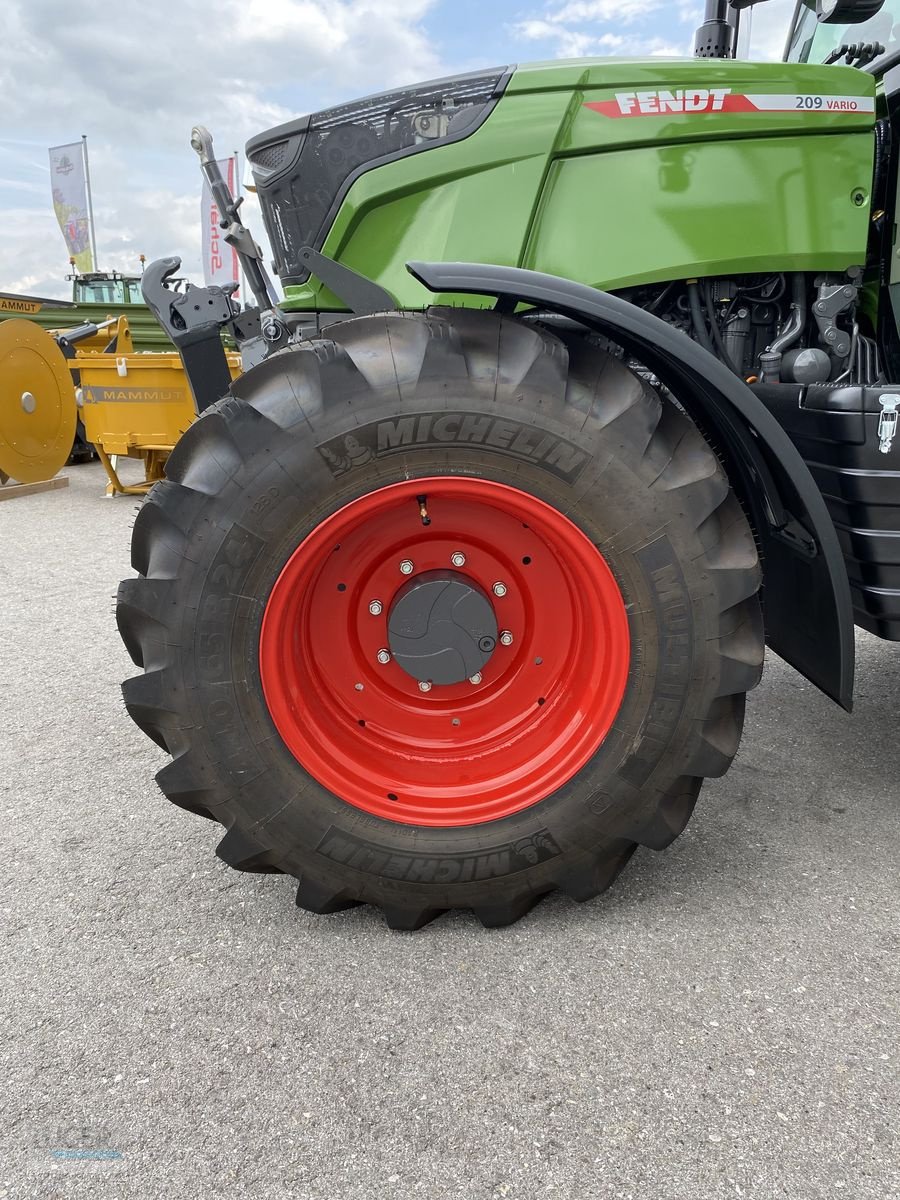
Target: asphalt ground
(722, 1023)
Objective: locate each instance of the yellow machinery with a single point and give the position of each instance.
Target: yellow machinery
(130, 404)
(37, 408)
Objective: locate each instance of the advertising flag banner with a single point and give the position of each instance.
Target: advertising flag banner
(220, 261)
(68, 180)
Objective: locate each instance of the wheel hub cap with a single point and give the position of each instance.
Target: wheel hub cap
(442, 628)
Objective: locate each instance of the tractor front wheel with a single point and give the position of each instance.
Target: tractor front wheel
(442, 612)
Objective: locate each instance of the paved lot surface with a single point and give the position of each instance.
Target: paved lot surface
(724, 1023)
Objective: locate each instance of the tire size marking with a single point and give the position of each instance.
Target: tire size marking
(436, 431)
(673, 617)
(266, 505)
(494, 862)
(221, 595)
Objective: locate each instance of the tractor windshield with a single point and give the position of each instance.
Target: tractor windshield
(812, 41)
(100, 291)
(108, 289)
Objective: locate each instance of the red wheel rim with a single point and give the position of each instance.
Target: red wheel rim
(462, 753)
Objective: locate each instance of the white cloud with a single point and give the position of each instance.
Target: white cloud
(568, 43)
(603, 10)
(137, 79)
(576, 28)
(768, 29)
(655, 28)
(689, 13)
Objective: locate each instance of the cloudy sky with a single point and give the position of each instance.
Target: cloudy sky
(134, 77)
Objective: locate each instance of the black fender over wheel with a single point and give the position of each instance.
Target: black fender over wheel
(440, 405)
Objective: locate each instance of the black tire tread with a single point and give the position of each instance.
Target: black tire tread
(504, 355)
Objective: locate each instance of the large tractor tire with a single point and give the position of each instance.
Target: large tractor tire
(443, 611)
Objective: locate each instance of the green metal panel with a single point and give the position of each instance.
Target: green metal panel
(145, 330)
(477, 196)
(632, 190)
(664, 212)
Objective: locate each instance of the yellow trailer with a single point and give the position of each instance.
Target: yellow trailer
(131, 404)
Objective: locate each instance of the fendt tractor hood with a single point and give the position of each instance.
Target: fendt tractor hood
(612, 172)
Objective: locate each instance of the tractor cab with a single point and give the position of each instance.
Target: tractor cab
(106, 287)
(111, 287)
(864, 43)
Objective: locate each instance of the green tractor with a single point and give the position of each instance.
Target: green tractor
(576, 399)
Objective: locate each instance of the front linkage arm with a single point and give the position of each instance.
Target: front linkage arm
(193, 319)
(236, 233)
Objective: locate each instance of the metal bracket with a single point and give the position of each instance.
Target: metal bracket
(797, 536)
(184, 312)
(361, 295)
(887, 422)
(834, 298)
(236, 233)
(193, 319)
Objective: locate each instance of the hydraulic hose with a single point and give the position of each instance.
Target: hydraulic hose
(797, 319)
(697, 318)
(770, 359)
(717, 332)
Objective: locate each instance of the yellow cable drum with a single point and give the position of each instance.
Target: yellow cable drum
(37, 413)
(132, 404)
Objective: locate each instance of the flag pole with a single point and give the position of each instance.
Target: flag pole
(237, 195)
(90, 202)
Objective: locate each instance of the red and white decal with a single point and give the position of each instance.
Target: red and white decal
(659, 103)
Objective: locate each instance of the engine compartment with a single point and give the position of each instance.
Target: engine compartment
(798, 327)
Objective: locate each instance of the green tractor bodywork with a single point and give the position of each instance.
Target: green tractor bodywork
(550, 183)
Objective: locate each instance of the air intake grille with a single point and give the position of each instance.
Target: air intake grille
(271, 157)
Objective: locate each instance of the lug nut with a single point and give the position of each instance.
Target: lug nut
(383, 656)
(458, 559)
(375, 607)
(406, 566)
(424, 685)
(499, 589)
(476, 678)
(506, 638)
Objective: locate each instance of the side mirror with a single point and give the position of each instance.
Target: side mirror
(847, 12)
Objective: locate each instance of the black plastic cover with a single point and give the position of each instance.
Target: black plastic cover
(303, 169)
(836, 431)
